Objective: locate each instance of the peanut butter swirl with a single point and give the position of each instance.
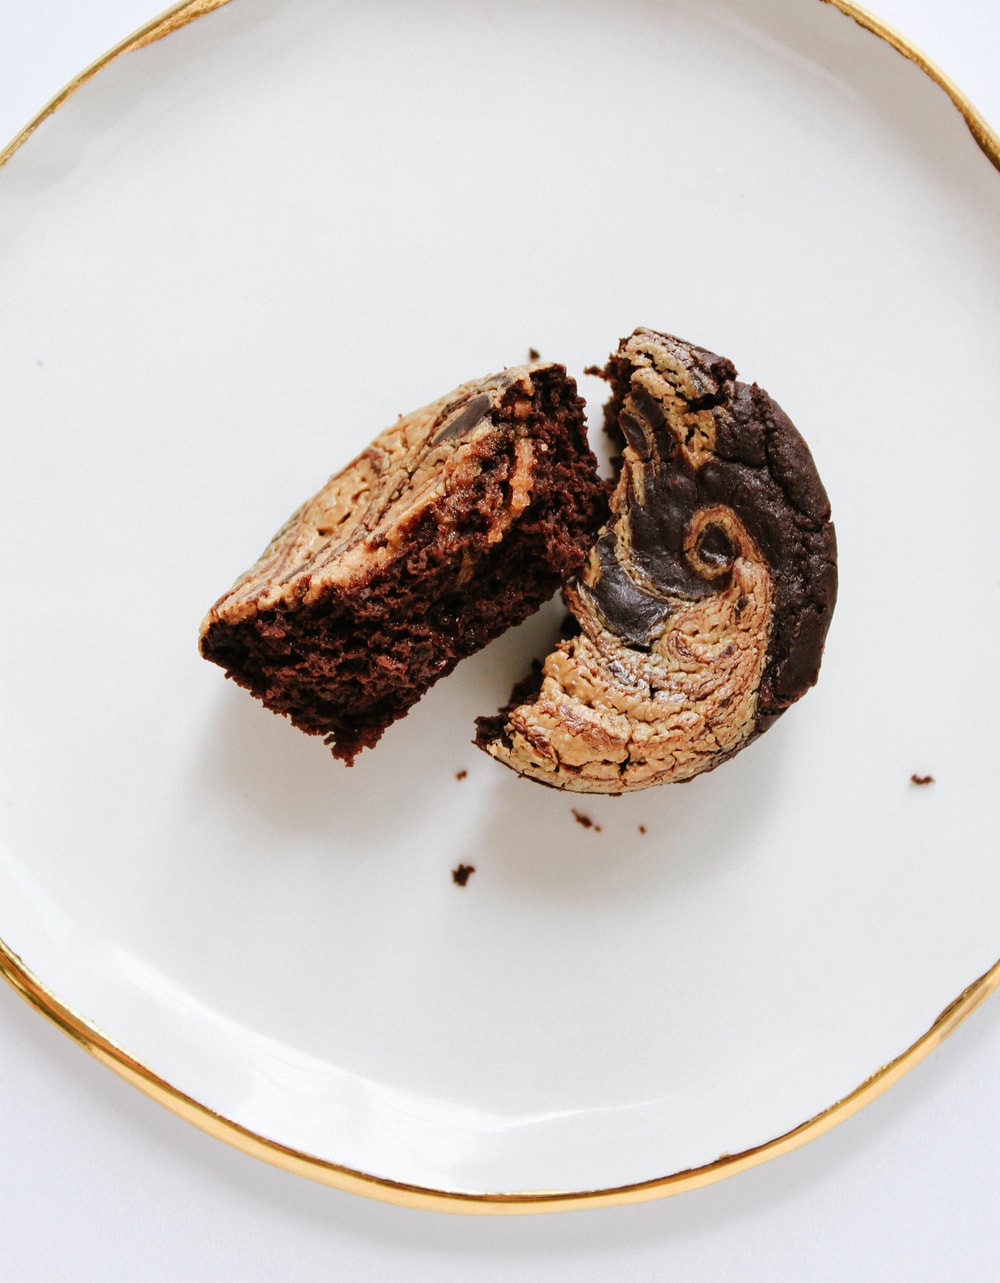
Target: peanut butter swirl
(702, 608)
(454, 524)
(356, 521)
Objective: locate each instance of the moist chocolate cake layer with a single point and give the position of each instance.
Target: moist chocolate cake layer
(454, 524)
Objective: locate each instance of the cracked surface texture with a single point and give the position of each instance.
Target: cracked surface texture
(701, 611)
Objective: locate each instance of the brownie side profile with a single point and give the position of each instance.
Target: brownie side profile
(703, 607)
(454, 524)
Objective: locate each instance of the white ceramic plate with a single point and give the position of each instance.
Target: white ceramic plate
(231, 258)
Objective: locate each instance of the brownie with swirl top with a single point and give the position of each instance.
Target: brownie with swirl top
(454, 524)
(701, 612)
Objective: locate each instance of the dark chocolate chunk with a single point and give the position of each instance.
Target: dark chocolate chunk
(472, 414)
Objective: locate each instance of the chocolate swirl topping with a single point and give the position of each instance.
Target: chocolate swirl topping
(705, 601)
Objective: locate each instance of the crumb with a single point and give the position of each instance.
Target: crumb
(595, 370)
(921, 779)
(460, 775)
(533, 354)
(462, 874)
(585, 821)
(642, 828)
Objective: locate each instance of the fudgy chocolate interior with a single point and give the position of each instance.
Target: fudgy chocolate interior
(348, 660)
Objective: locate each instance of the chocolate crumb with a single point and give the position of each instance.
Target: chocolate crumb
(642, 828)
(921, 779)
(460, 775)
(533, 354)
(596, 370)
(462, 874)
(585, 821)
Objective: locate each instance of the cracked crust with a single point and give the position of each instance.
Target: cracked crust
(454, 524)
(701, 611)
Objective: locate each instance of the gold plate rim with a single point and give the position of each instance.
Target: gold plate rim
(180, 14)
(386, 1190)
(141, 1076)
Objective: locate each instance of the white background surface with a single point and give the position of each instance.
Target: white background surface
(98, 1183)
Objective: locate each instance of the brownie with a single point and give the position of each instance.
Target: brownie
(701, 612)
(454, 524)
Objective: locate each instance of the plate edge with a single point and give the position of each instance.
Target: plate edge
(986, 138)
(172, 19)
(180, 14)
(383, 1189)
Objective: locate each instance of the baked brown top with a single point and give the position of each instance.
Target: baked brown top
(357, 522)
(705, 601)
(453, 525)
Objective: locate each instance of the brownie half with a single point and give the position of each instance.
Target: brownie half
(702, 610)
(454, 524)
